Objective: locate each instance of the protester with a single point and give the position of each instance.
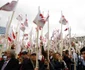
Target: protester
(67, 59)
(57, 62)
(30, 63)
(24, 60)
(9, 62)
(81, 62)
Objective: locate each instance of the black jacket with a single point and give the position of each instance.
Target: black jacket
(56, 65)
(27, 65)
(80, 65)
(13, 64)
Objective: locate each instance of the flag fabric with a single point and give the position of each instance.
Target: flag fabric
(2, 30)
(25, 34)
(44, 39)
(41, 38)
(28, 44)
(55, 33)
(26, 22)
(59, 36)
(66, 29)
(9, 39)
(9, 6)
(22, 27)
(63, 20)
(19, 18)
(46, 35)
(26, 38)
(47, 18)
(67, 34)
(38, 28)
(41, 15)
(11, 35)
(39, 20)
(44, 19)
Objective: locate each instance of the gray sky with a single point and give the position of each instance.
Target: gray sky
(73, 10)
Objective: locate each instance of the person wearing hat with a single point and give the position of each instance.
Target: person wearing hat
(31, 63)
(25, 60)
(81, 62)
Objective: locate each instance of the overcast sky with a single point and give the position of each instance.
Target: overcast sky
(73, 10)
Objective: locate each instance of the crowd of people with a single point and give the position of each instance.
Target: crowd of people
(27, 61)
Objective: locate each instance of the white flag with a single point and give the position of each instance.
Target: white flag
(9, 6)
(19, 18)
(46, 35)
(39, 20)
(22, 27)
(63, 20)
(26, 22)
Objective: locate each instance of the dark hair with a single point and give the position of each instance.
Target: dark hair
(13, 46)
(12, 53)
(24, 53)
(83, 49)
(66, 52)
(33, 54)
(54, 55)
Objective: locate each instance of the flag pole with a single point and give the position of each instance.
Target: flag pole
(56, 45)
(23, 37)
(41, 34)
(37, 49)
(17, 36)
(31, 39)
(10, 25)
(48, 44)
(37, 43)
(42, 30)
(17, 33)
(8, 29)
(61, 44)
(70, 39)
(70, 47)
